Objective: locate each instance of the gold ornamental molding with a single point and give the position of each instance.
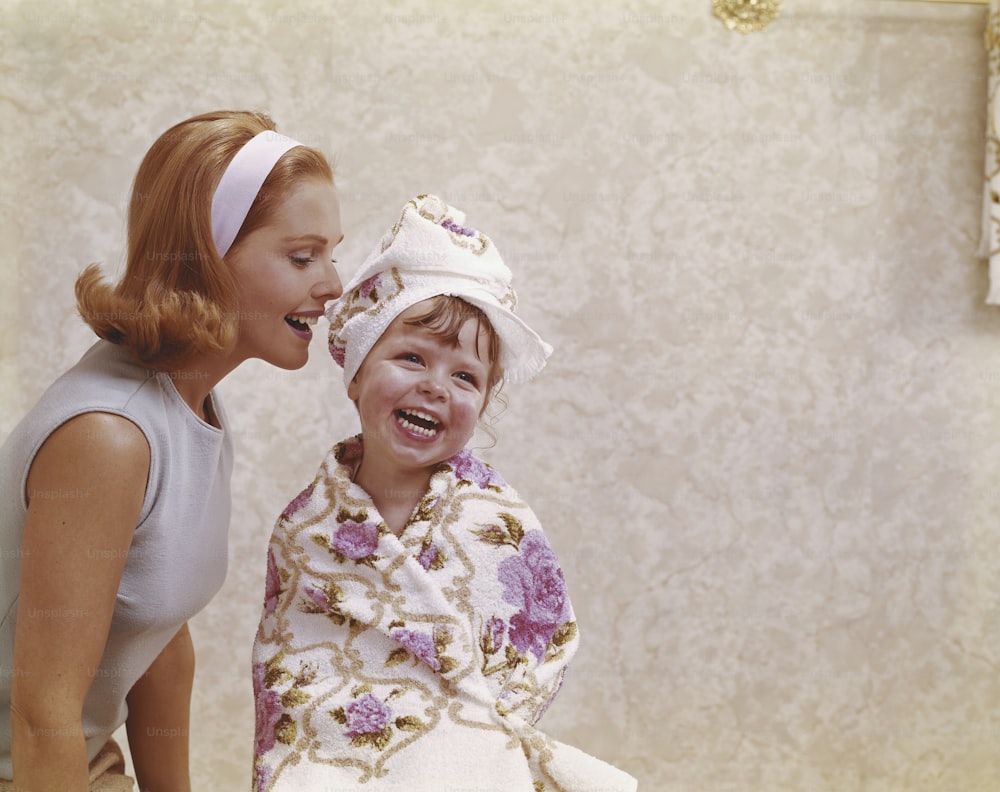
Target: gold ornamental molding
(746, 16)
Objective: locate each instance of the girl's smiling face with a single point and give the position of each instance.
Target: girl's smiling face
(419, 395)
(285, 275)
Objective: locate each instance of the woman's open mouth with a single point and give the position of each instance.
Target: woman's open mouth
(301, 325)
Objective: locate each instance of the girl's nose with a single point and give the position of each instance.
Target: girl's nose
(431, 385)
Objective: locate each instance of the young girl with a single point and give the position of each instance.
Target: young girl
(115, 486)
(416, 623)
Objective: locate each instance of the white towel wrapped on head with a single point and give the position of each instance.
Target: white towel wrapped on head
(429, 252)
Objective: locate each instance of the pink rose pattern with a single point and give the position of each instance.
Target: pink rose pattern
(318, 598)
(493, 635)
(429, 556)
(370, 286)
(355, 540)
(418, 644)
(472, 470)
(272, 588)
(366, 715)
(298, 502)
(338, 352)
(268, 712)
(350, 451)
(364, 298)
(262, 775)
(533, 582)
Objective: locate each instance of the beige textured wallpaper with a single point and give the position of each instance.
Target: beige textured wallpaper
(767, 448)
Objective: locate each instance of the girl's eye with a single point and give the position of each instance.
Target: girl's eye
(465, 376)
(410, 357)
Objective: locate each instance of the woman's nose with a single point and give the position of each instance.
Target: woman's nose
(329, 286)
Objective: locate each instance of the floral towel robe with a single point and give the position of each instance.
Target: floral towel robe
(419, 662)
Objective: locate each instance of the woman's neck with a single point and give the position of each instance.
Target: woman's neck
(194, 380)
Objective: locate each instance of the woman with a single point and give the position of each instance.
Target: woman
(115, 486)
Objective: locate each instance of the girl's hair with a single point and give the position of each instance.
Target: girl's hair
(177, 296)
(445, 316)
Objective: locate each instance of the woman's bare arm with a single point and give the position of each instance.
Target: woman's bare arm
(85, 492)
(159, 716)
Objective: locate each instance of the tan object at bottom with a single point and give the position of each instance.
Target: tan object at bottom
(107, 772)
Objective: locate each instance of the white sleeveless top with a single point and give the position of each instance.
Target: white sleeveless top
(177, 559)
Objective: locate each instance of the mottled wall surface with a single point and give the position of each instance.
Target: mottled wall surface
(767, 447)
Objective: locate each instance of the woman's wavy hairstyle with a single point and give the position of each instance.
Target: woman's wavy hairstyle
(177, 296)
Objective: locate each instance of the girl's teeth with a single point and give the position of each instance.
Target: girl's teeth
(412, 427)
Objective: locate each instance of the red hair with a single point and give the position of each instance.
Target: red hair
(177, 296)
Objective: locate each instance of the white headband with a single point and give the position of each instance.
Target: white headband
(241, 182)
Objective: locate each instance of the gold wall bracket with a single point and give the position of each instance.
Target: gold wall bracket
(746, 16)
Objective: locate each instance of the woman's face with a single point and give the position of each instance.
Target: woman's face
(285, 274)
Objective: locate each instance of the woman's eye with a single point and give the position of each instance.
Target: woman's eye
(301, 260)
